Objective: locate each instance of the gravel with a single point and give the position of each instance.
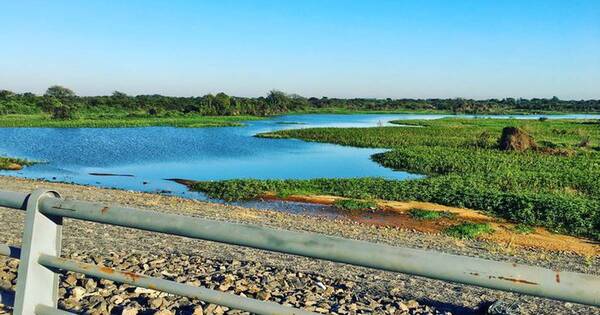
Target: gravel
(319, 286)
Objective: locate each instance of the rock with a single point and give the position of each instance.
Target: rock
(100, 309)
(129, 311)
(71, 280)
(163, 312)
(403, 307)
(156, 303)
(504, 308)
(116, 300)
(214, 309)
(77, 293)
(90, 285)
(140, 290)
(13, 264)
(5, 285)
(106, 283)
(70, 304)
(198, 311)
(321, 285)
(412, 304)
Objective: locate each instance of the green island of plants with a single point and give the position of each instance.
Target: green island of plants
(123, 120)
(555, 183)
(13, 164)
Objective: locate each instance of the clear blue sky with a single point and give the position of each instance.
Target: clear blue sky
(474, 49)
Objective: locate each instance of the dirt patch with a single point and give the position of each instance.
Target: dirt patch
(396, 214)
(516, 139)
(14, 167)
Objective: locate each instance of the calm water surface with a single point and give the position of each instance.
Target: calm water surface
(153, 154)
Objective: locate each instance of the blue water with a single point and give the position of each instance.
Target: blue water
(153, 154)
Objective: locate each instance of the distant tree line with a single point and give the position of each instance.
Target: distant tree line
(63, 103)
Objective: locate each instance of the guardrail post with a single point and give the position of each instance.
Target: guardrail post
(42, 234)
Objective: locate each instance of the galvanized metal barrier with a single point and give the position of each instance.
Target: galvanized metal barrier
(37, 282)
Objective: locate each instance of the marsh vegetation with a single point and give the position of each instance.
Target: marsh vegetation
(554, 184)
(13, 164)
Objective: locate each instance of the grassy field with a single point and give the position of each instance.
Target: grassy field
(556, 185)
(100, 121)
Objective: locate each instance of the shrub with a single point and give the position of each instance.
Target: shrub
(422, 214)
(355, 204)
(62, 112)
(523, 228)
(469, 230)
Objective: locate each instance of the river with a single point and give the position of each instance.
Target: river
(147, 157)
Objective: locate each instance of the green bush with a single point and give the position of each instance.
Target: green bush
(469, 230)
(421, 214)
(355, 204)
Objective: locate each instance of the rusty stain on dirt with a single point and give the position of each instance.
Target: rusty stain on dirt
(396, 214)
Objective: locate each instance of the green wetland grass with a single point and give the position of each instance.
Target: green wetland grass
(355, 205)
(468, 230)
(421, 214)
(523, 228)
(556, 185)
(116, 121)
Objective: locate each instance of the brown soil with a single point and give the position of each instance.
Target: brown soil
(515, 139)
(14, 167)
(396, 214)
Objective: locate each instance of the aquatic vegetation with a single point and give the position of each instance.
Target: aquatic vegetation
(113, 121)
(13, 164)
(537, 187)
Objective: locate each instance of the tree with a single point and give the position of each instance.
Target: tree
(117, 94)
(56, 108)
(60, 92)
(278, 100)
(222, 103)
(6, 94)
(62, 112)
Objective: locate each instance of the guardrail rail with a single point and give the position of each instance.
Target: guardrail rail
(37, 281)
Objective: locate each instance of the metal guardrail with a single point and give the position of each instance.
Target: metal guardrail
(37, 282)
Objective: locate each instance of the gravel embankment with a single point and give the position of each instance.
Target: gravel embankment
(315, 285)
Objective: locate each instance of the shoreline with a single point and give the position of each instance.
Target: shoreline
(396, 214)
(84, 239)
(197, 121)
(191, 121)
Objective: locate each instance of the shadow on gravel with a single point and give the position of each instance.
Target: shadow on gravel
(457, 309)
